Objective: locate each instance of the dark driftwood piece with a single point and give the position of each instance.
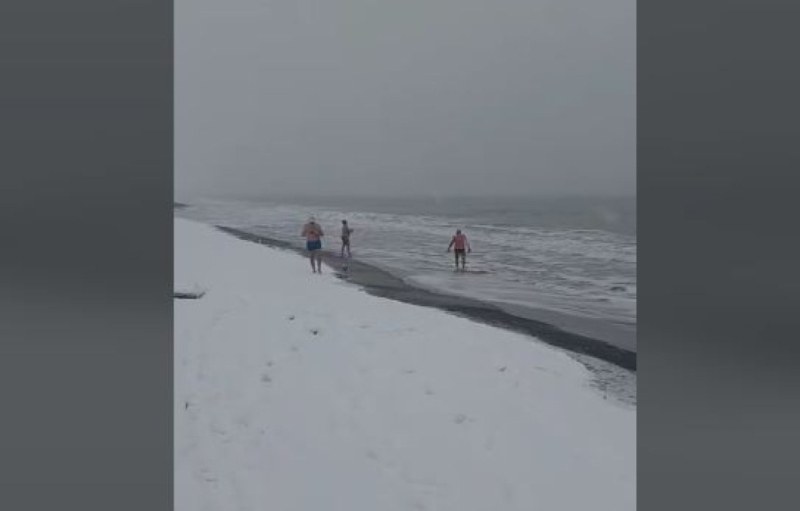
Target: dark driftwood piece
(188, 296)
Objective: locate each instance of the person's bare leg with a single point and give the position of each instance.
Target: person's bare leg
(311, 258)
(348, 250)
(319, 263)
(463, 262)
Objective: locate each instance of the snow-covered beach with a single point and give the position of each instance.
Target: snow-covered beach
(296, 391)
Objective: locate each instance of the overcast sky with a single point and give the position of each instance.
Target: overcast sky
(383, 97)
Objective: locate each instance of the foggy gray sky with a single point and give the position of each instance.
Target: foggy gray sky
(404, 97)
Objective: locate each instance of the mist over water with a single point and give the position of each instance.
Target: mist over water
(614, 214)
(461, 97)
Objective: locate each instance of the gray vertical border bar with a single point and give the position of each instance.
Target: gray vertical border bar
(86, 195)
(719, 392)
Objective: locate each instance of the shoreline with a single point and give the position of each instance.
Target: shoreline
(378, 282)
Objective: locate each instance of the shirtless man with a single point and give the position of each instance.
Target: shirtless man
(313, 234)
(461, 245)
(346, 232)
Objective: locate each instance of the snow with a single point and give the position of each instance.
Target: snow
(296, 391)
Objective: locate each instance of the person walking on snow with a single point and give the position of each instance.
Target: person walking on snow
(461, 245)
(346, 232)
(313, 234)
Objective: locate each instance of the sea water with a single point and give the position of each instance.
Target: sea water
(573, 256)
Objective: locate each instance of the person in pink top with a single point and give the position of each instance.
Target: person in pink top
(461, 247)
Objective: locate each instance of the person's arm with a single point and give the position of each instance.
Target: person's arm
(451, 243)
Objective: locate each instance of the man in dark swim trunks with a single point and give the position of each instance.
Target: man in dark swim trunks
(313, 234)
(461, 245)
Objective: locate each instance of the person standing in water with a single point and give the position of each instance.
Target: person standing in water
(461, 245)
(346, 232)
(313, 234)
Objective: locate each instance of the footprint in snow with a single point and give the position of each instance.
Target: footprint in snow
(219, 431)
(207, 475)
(314, 331)
(461, 419)
(266, 378)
